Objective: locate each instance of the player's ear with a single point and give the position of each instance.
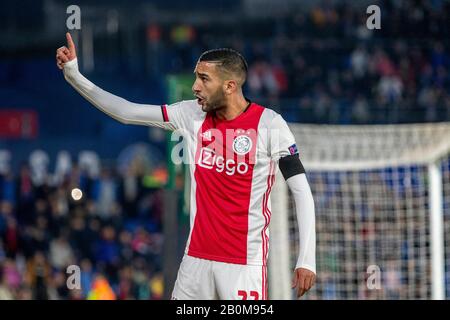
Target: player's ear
(230, 86)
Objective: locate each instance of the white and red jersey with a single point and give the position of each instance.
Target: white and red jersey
(232, 166)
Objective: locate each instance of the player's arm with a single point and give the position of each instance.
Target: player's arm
(305, 270)
(284, 150)
(118, 108)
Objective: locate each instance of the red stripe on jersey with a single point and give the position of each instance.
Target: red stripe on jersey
(265, 239)
(266, 213)
(269, 213)
(266, 210)
(264, 246)
(263, 231)
(164, 113)
(224, 161)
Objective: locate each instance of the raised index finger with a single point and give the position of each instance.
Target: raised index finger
(70, 43)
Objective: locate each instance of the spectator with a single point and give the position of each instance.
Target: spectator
(87, 277)
(390, 88)
(37, 276)
(61, 254)
(105, 194)
(359, 62)
(25, 196)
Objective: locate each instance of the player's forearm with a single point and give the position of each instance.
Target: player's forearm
(304, 204)
(116, 107)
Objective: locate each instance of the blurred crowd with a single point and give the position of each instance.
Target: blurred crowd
(341, 72)
(112, 234)
(324, 65)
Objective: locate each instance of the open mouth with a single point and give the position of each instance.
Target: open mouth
(200, 100)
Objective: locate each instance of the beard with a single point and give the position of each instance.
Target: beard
(215, 102)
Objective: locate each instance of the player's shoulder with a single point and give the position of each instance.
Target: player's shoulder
(187, 104)
(189, 108)
(190, 104)
(269, 117)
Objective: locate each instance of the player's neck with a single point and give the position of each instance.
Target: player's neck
(233, 109)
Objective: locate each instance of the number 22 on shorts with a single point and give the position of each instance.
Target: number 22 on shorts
(244, 295)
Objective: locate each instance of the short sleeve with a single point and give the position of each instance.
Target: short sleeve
(282, 141)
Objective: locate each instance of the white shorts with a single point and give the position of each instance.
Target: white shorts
(200, 279)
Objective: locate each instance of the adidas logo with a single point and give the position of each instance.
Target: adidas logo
(207, 135)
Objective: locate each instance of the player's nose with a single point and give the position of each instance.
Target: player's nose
(195, 87)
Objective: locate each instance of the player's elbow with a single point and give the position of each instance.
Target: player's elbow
(119, 113)
(122, 119)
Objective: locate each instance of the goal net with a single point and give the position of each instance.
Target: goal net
(382, 198)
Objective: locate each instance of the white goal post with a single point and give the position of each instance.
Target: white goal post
(382, 197)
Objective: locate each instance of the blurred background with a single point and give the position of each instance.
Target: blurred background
(314, 61)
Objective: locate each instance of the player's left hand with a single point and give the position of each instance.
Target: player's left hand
(303, 280)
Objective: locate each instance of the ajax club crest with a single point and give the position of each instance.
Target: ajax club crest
(242, 145)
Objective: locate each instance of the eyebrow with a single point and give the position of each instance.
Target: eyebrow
(201, 74)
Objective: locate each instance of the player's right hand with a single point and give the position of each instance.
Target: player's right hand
(65, 54)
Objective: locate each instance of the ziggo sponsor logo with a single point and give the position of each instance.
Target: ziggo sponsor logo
(209, 160)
